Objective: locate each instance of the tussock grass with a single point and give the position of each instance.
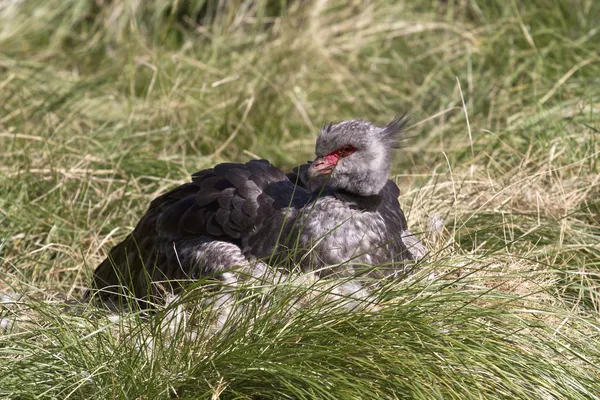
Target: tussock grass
(105, 104)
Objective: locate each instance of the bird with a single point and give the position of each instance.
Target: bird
(337, 215)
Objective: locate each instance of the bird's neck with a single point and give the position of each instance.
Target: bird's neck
(358, 202)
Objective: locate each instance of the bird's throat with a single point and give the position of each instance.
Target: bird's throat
(363, 203)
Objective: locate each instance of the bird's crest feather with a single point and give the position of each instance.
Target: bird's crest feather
(392, 132)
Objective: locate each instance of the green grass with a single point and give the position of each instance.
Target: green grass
(106, 104)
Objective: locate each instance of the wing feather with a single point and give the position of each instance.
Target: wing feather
(224, 203)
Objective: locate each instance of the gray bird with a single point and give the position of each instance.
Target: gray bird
(338, 215)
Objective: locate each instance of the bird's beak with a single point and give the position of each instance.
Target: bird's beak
(321, 166)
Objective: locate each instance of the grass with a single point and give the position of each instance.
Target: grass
(106, 104)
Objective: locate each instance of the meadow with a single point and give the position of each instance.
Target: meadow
(105, 104)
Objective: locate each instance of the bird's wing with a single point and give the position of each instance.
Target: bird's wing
(390, 206)
(227, 203)
(233, 199)
(395, 221)
(130, 265)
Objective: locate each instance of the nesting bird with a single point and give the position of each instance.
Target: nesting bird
(338, 215)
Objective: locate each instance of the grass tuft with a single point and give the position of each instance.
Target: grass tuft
(106, 104)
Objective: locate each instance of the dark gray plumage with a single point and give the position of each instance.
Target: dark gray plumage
(336, 214)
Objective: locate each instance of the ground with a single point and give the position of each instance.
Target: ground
(106, 104)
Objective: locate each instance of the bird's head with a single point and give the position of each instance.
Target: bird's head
(355, 156)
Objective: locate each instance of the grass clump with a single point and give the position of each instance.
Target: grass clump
(105, 104)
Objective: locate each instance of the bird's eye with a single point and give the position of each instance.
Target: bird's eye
(346, 151)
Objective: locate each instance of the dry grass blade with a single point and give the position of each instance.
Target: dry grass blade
(106, 104)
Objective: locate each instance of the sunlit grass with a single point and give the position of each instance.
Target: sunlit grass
(106, 104)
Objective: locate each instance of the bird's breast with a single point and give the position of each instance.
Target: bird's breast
(334, 233)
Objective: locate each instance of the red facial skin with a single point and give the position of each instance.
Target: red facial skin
(324, 165)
